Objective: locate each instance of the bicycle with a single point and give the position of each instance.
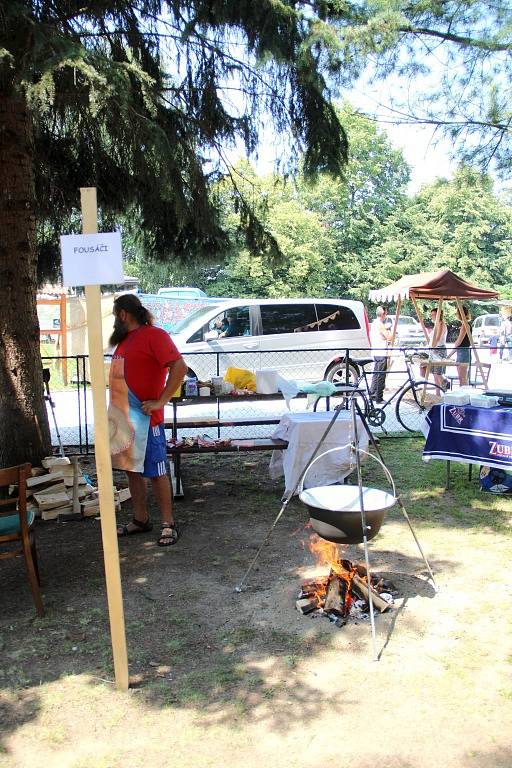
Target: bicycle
(413, 398)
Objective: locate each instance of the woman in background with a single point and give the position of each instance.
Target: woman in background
(438, 348)
(461, 347)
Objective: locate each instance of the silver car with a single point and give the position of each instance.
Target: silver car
(409, 333)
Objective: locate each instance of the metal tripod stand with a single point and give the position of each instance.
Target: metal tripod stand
(48, 398)
(350, 394)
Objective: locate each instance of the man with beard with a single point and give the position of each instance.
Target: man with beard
(145, 372)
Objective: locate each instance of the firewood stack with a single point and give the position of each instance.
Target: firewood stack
(59, 490)
(343, 590)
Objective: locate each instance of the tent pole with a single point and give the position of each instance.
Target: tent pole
(395, 324)
(420, 316)
(471, 342)
(393, 332)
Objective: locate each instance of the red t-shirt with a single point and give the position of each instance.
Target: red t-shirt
(147, 352)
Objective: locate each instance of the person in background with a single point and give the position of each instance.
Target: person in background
(220, 325)
(438, 348)
(507, 335)
(461, 347)
(494, 340)
(380, 335)
(232, 327)
(146, 370)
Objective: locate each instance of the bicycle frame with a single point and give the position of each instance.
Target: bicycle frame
(368, 394)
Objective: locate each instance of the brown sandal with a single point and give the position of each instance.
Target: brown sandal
(140, 527)
(168, 539)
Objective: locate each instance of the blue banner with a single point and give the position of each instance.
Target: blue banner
(470, 435)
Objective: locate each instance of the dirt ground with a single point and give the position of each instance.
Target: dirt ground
(243, 680)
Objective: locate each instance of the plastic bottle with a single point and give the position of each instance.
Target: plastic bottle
(191, 388)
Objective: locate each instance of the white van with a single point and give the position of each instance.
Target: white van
(303, 339)
(485, 326)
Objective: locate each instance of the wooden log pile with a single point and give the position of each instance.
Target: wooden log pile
(343, 590)
(59, 491)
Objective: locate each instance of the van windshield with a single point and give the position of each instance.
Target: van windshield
(406, 320)
(190, 322)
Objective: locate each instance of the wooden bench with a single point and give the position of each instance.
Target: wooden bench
(217, 423)
(249, 444)
(234, 446)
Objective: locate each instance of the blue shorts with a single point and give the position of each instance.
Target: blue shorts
(155, 460)
(463, 354)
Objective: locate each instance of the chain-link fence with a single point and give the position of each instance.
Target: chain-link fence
(70, 412)
(68, 401)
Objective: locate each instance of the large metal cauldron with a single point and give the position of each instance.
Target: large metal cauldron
(335, 511)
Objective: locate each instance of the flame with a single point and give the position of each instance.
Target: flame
(327, 553)
(324, 552)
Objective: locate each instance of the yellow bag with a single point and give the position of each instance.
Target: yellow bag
(240, 378)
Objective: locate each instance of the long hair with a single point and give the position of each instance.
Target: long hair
(132, 304)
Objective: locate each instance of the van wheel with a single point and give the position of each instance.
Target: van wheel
(337, 373)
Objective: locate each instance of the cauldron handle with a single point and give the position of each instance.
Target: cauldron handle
(361, 450)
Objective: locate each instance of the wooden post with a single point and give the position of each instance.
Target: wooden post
(102, 454)
(393, 333)
(438, 317)
(419, 313)
(395, 325)
(472, 343)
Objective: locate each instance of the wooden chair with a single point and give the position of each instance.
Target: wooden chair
(16, 524)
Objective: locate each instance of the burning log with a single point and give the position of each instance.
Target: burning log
(334, 594)
(335, 597)
(360, 587)
(314, 588)
(307, 605)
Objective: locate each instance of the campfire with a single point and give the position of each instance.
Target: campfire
(344, 593)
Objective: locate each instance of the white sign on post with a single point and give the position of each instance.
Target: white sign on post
(91, 259)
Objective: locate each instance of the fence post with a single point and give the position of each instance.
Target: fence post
(64, 337)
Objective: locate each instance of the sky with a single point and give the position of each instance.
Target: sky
(425, 149)
(426, 152)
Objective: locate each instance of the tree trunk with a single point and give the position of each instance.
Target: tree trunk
(24, 431)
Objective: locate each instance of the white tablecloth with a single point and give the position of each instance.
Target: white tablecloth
(303, 431)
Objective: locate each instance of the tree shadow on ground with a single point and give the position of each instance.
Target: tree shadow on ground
(193, 641)
(16, 709)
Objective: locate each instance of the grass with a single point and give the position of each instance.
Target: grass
(224, 680)
(424, 494)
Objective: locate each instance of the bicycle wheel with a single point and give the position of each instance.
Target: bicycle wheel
(414, 403)
(337, 373)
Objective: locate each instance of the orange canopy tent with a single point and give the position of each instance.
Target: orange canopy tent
(441, 285)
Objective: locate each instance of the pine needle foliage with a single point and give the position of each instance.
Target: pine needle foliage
(140, 98)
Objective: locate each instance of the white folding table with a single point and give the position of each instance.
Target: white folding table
(303, 431)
